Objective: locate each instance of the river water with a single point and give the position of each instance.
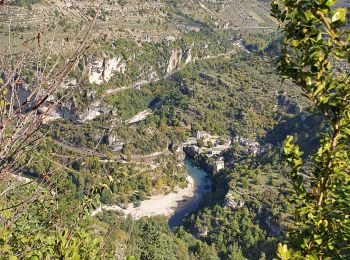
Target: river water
(202, 186)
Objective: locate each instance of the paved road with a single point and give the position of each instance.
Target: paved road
(144, 82)
(117, 158)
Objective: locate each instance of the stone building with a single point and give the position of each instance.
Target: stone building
(219, 165)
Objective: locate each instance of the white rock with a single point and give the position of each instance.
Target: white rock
(103, 69)
(174, 61)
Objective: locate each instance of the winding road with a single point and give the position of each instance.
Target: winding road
(122, 158)
(144, 82)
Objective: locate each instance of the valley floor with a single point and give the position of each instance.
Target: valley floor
(165, 204)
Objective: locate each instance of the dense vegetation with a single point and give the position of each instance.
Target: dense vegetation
(230, 90)
(215, 89)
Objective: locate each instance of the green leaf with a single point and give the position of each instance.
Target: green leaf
(319, 241)
(330, 2)
(320, 87)
(295, 43)
(311, 257)
(339, 15)
(283, 252)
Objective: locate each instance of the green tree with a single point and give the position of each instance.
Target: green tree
(316, 42)
(106, 196)
(200, 142)
(151, 240)
(33, 236)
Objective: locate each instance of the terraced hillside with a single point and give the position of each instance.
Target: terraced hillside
(136, 20)
(233, 14)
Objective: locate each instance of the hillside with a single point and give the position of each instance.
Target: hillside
(136, 20)
(161, 82)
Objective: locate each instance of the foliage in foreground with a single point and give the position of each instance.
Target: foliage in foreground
(37, 228)
(316, 45)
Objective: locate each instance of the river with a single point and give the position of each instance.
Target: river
(202, 186)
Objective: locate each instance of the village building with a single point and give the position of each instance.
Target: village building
(219, 165)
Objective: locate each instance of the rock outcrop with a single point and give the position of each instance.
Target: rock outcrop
(174, 61)
(192, 151)
(176, 57)
(63, 112)
(94, 110)
(178, 151)
(188, 55)
(233, 200)
(202, 232)
(102, 69)
(240, 44)
(69, 112)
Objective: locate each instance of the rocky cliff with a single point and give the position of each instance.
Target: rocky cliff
(177, 57)
(174, 61)
(102, 69)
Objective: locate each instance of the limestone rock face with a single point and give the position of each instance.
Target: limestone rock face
(102, 69)
(96, 71)
(68, 112)
(113, 65)
(96, 109)
(64, 113)
(178, 151)
(61, 112)
(192, 151)
(176, 57)
(174, 61)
